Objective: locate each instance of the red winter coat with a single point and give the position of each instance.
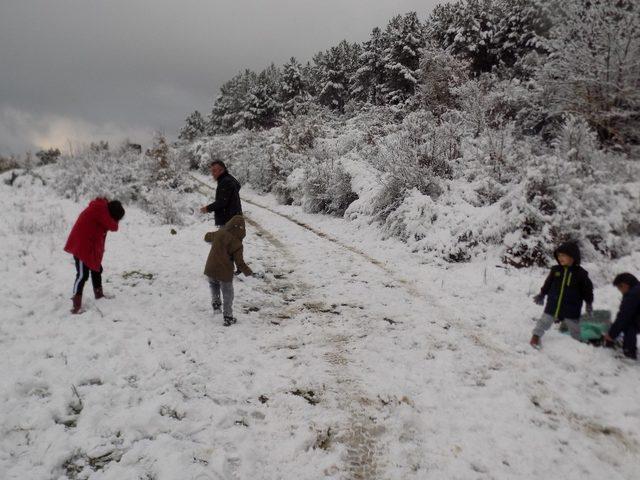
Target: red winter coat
(86, 240)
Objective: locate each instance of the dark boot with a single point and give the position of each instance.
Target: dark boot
(100, 294)
(535, 341)
(77, 304)
(217, 307)
(228, 321)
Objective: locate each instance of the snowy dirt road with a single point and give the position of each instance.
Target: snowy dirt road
(350, 360)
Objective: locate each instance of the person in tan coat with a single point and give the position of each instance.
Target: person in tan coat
(226, 250)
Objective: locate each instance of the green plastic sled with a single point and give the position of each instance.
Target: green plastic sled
(592, 328)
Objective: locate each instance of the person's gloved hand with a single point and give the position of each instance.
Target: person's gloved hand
(589, 309)
(538, 299)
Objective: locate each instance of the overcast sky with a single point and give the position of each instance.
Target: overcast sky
(81, 70)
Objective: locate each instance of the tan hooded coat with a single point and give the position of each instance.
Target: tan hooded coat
(226, 249)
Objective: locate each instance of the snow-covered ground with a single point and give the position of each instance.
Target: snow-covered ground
(351, 359)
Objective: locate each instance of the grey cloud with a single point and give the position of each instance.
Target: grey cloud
(150, 62)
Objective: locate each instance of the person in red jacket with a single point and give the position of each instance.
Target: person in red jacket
(86, 244)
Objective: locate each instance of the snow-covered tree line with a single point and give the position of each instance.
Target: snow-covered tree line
(580, 57)
(504, 123)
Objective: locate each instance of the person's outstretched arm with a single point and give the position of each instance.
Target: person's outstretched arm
(223, 197)
(238, 259)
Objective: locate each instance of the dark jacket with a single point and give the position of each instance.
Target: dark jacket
(227, 202)
(566, 288)
(629, 312)
(226, 250)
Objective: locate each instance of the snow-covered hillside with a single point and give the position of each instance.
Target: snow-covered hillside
(352, 358)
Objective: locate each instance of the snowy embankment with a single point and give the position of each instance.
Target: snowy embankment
(351, 359)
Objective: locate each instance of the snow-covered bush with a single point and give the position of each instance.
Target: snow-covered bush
(157, 182)
(326, 187)
(440, 74)
(8, 163)
(577, 142)
(299, 133)
(48, 156)
(564, 197)
(101, 174)
(166, 205)
(417, 157)
(497, 154)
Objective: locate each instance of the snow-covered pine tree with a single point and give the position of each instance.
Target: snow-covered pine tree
(227, 114)
(523, 27)
(262, 108)
(466, 28)
(335, 68)
(310, 79)
(194, 127)
(368, 80)
(292, 90)
(594, 66)
(490, 33)
(405, 39)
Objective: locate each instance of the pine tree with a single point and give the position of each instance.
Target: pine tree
(227, 114)
(293, 88)
(523, 27)
(368, 80)
(490, 33)
(194, 127)
(334, 69)
(405, 39)
(262, 108)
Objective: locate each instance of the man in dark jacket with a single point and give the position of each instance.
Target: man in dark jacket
(628, 318)
(227, 202)
(567, 287)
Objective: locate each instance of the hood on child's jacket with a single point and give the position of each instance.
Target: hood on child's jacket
(571, 249)
(236, 227)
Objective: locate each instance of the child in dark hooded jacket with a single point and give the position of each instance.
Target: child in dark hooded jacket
(567, 287)
(628, 318)
(226, 250)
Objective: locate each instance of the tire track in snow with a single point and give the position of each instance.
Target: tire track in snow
(360, 435)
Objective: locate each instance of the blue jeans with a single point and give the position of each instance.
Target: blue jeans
(226, 288)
